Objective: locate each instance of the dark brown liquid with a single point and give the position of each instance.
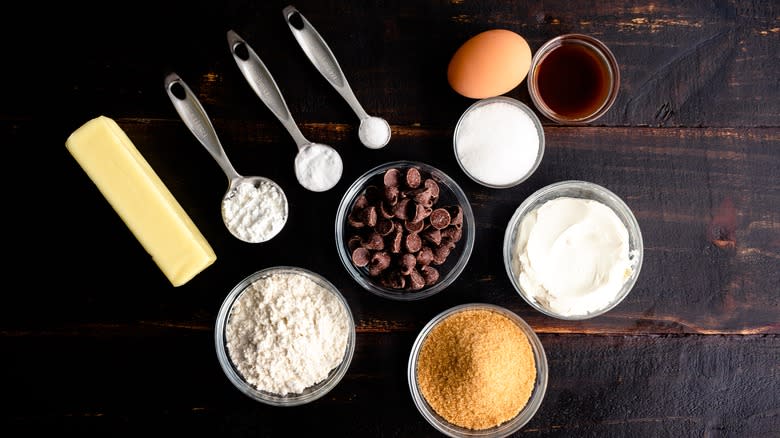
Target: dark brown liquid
(573, 81)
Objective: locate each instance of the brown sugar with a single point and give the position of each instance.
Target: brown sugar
(476, 369)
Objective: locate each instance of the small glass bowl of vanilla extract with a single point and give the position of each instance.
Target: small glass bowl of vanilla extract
(573, 79)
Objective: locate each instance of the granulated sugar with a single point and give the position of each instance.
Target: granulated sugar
(255, 214)
(285, 333)
(497, 143)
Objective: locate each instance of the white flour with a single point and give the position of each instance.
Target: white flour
(255, 214)
(285, 333)
(497, 143)
(318, 167)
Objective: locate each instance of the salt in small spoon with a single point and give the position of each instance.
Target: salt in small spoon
(374, 132)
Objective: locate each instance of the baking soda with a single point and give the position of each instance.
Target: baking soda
(497, 144)
(318, 167)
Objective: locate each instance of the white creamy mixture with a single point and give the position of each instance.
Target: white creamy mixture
(572, 255)
(286, 332)
(497, 143)
(318, 167)
(255, 214)
(374, 132)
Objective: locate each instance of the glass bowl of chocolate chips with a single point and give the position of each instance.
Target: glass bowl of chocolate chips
(404, 230)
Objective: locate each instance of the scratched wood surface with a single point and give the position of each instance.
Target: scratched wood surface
(94, 339)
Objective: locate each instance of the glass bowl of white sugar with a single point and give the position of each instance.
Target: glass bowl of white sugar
(498, 142)
(285, 336)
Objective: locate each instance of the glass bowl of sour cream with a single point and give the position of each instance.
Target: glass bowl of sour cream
(573, 250)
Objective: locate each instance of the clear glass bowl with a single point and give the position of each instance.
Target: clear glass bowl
(583, 190)
(595, 46)
(450, 193)
(524, 108)
(502, 430)
(309, 394)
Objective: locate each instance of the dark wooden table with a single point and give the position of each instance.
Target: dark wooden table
(94, 339)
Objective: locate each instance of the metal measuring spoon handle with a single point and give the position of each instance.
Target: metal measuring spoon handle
(321, 56)
(263, 83)
(195, 118)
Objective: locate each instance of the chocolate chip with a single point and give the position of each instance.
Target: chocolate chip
(413, 242)
(413, 177)
(355, 221)
(440, 218)
(454, 233)
(369, 216)
(384, 227)
(361, 202)
(421, 212)
(432, 235)
(374, 241)
(456, 214)
(440, 254)
(354, 242)
(391, 195)
(408, 261)
(414, 227)
(401, 210)
(392, 177)
(393, 280)
(386, 211)
(395, 246)
(417, 281)
(360, 257)
(425, 256)
(430, 274)
(424, 197)
(381, 260)
(433, 187)
(373, 194)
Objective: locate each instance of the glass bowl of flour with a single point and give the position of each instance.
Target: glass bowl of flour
(573, 250)
(285, 336)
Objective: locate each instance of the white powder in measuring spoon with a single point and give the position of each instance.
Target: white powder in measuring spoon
(255, 214)
(286, 333)
(318, 167)
(374, 132)
(497, 143)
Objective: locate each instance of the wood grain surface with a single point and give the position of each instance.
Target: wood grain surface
(94, 339)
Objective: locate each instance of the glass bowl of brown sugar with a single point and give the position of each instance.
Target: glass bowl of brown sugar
(477, 370)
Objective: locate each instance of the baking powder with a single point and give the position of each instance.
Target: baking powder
(318, 167)
(285, 333)
(374, 132)
(255, 214)
(497, 143)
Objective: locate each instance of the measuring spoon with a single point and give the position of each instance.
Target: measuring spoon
(318, 167)
(374, 131)
(251, 221)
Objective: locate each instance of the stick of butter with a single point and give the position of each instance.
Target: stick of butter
(137, 194)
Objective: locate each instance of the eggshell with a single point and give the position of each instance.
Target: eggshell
(489, 64)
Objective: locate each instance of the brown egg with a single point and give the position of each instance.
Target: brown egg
(489, 64)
